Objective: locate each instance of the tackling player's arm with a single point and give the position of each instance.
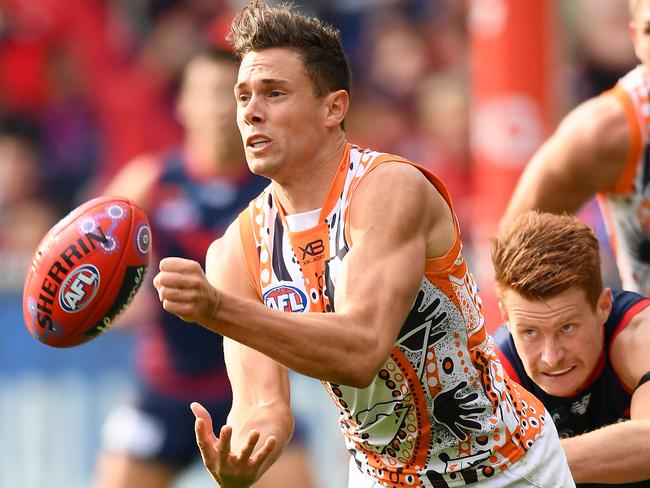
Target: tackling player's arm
(397, 219)
(585, 155)
(620, 453)
(260, 421)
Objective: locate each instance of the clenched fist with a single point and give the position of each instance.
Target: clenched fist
(184, 290)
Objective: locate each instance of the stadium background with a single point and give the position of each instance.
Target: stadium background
(87, 84)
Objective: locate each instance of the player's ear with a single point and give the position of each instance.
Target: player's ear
(501, 303)
(337, 104)
(504, 312)
(604, 306)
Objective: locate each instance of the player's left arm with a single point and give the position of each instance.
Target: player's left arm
(620, 453)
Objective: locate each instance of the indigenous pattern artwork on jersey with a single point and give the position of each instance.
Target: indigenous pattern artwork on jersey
(626, 206)
(440, 411)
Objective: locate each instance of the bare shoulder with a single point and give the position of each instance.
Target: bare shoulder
(599, 127)
(136, 179)
(399, 181)
(629, 352)
(225, 264)
(399, 196)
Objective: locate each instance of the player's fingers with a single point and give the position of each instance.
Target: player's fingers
(224, 444)
(260, 456)
(200, 412)
(174, 294)
(179, 265)
(172, 307)
(207, 442)
(248, 448)
(172, 279)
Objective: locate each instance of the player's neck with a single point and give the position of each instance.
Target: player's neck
(307, 190)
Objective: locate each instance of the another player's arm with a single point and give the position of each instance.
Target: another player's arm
(585, 155)
(136, 180)
(620, 453)
(397, 219)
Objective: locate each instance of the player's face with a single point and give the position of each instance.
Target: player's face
(206, 107)
(281, 121)
(640, 31)
(560, 339)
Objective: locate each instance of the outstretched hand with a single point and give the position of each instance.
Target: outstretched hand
(184, 290)
(230, 469)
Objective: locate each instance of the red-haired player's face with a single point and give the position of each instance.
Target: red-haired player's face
(281, 120)
(559, 339)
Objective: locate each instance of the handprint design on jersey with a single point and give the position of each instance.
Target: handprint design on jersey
(440, 411)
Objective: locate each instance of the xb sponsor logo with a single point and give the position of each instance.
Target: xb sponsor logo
(79, 288)
(314, 249)
(286, 298)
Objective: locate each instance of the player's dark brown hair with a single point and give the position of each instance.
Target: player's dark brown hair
(258, 27)
(543, 254)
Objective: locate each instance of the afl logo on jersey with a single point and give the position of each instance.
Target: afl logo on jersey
(286, 298)
(79, 288)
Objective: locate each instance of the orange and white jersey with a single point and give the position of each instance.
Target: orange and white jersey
(626, 206)
(441, 411)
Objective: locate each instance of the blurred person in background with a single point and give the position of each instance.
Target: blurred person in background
(601, 148)
(191, 193)
(26, 211)
(601, 44)
(577, 346)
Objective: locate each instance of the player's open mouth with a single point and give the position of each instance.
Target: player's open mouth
(562, 372)
(257, 143)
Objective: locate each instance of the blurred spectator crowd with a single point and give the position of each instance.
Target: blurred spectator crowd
(85, 85)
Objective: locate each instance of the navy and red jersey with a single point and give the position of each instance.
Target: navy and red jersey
(175, 358)
(605, 401)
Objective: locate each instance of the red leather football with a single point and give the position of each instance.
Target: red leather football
(86, 271)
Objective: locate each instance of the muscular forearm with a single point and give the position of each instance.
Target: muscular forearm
(618, 453)
(315, 344)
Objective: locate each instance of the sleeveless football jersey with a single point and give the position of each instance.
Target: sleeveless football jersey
(186, 214)
(440, 411)
(626, 206)
(604, 401)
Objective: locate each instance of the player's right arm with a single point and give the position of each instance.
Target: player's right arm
(260, 421)
(586, 154)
